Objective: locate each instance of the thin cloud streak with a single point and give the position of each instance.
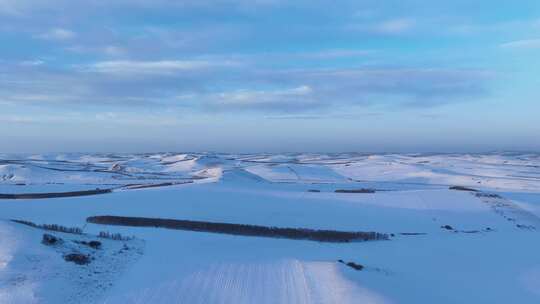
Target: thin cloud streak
(522, 44)
(226, 86)
(120, 67)
(57, 34)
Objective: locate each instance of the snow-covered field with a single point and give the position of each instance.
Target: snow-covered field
(445, 246)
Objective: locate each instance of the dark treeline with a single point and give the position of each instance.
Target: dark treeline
(488, 195)
(462, 188)
(113, 236)
(144, 186)
(239, 229)
(52, 227)
(362, 190)
(54, 194)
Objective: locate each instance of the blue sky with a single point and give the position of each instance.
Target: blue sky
(269, 75)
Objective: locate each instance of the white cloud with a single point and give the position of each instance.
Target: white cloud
(17, 119)
(37, 97)
(246, 97)
(58, 34)
(108, 50)
(106, 116)
(204, 84)
(113, 50)
(147, 119)
(32, 62)
(159, 118)
(129, 67)
(10, 7)
(395, 26)
(522, 44)
(386, 27)
(364, 13)
(300, 97)
(337, 53)
(45, 7)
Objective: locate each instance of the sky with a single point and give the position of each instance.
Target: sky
(269, 75)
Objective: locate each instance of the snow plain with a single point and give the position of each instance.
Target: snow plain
(448, 246)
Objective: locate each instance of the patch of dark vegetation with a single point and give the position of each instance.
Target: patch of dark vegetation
(353, 265)
(314, 190)
(54, 194)
(469, 231)
(362, 190)
(488, 195)
(94, 244)
(91, 244)
(53, 227)
(450, 228)
(113, 236)
(50, 240)
(526, 227)
(461, 188)
(239, 229)
(77, 258)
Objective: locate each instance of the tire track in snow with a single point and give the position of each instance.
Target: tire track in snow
(285, 282)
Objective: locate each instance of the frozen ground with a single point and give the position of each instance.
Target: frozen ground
(447, 246)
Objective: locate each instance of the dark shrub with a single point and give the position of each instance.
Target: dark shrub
(77, 258)
(50, 240)
(355, 266)
(92, 244)
(488, 195)
(95, 244)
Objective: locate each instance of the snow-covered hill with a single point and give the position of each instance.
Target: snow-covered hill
(476, 243)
